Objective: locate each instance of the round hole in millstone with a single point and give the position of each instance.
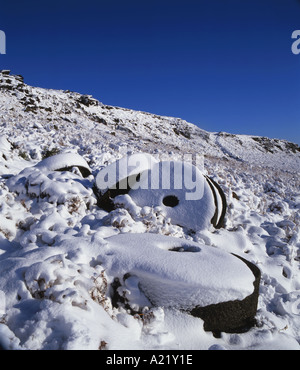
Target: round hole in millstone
(185, 248)
(171, 201)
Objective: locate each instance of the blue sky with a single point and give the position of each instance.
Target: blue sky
(225, 65)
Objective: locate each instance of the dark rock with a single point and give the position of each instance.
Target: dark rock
(233, 316)
(85, 172)
(292, 147)
(19, 78)
(88, 100)
(185, 133)
(98, 119)
(235, 196)
(32, 109)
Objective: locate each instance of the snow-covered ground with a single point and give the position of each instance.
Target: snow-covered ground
(61, 256)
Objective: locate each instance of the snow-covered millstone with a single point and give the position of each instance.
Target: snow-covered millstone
(181, 190)
(220, 203)
(46, 181)
(64, 162)
(187, 276)
(119, 177)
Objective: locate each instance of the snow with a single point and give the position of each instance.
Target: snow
(60, 254)
(4, 144)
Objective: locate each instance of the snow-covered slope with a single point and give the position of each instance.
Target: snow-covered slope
(55, 292)
(51, 118)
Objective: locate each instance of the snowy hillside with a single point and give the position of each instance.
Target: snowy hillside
(65, 262)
